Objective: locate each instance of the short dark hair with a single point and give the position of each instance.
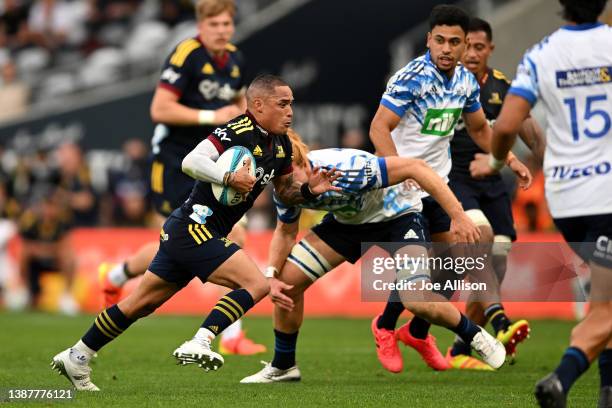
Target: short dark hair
(478, 24)
(582, 11)
(264, 85)
(445, 14)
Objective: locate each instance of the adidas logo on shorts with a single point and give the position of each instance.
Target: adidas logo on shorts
(411, 235)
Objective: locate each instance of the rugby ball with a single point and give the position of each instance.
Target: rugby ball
(232, 160)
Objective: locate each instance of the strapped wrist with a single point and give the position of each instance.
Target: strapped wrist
(270, 272)
(307, 193)
(206, 117)
(494, 163)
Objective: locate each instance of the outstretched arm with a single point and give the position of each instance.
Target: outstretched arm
(402, 168)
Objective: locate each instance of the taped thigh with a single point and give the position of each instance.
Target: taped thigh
(309, 260)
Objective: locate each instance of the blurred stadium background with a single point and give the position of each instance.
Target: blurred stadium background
(77, 77)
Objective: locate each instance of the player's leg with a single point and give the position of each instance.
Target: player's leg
(496, 206)
(477, 309)
(169, 189)
(233, 339)
(437, 223)
(235, 270)
(605, 375)
(387, 320)
(310, 259)
(73, 362)
(592, 336)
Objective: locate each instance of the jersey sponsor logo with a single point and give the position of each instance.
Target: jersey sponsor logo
(440, 122)
(222, 133)
(603, 247)
(261, 176)
(257, 151)
(584, 77)
(212, 89)
(280, 153)
(570, 172)
(170, 75)
(208, 69)
(495, 99)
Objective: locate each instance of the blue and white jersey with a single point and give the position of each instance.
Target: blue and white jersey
(365, 197)
(429, 105)
(570, 71)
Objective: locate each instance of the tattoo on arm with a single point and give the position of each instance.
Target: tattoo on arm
(288, 190)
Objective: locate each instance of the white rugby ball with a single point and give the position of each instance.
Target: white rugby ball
(232, 160)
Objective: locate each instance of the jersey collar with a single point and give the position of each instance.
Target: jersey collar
(582, 27)
(261, 129)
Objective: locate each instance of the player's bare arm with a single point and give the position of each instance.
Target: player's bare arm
(165, 108)
(479, 130)
(385, 120)
(533, 136)
(283, 239)
(399, 168)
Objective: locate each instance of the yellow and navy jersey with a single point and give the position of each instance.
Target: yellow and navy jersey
(32, 227)
(272, 155)
(200, 81)
(493, 90)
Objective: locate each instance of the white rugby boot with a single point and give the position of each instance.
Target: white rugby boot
(270, 374)
(491, 350)
(195, 352)
(75, 369)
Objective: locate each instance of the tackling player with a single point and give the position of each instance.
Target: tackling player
(365, 209)
(570, 71)
(195, 245)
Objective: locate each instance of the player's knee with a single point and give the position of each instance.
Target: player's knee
(482, 222)
(425, 310)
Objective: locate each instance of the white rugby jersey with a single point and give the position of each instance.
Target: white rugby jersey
(364, 198)
(570, 71)
(429, 105)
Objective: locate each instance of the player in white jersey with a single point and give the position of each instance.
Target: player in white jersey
(570, 71)
(365, 210)
(416, 118)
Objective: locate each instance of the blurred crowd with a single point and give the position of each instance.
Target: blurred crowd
(51, 48)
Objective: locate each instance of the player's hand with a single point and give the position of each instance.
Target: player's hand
(321, 180)
(479, 167)
(241, 180)
(412, 185)
(277, 296)
(522, 172)
(227, 113)
(464, 229)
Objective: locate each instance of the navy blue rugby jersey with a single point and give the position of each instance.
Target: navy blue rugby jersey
(272, 155)
(492, 93)
(201, 82)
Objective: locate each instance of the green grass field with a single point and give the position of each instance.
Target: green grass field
(336, 357)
